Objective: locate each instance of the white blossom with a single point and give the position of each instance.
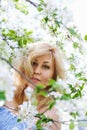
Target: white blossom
(27, 113)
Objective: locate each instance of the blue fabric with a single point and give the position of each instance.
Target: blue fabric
(8, 121)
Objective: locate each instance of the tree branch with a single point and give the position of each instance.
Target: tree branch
(32, 3)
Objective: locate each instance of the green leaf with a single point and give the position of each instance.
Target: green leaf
(2, 95)
(58, 23)
(77, 94)
(43, 93)
(85, 37)
(66, 96)
(3, 32)
(51, 82)
(15, 0)
(72, 88)
(72, 31)
(41, 1)
(86, 113)
(10, 59)
(39, 8)
(22, 7)
(83, 78)
(75, 45)
(18, 120)
(74, 114)
(81, 87)
(55, 86)
(71, 125)
(39, 88)
(78, 74)
(51, 104)
(72, 67)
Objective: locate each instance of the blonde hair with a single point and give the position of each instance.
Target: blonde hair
(25, 66)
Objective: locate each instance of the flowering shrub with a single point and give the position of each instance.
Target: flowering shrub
(49, 21)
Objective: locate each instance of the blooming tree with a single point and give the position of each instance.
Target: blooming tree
(26, 21)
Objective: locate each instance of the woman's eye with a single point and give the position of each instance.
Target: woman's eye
(46, 66)
(34, 63)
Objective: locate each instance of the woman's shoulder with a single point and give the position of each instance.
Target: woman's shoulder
(8, 120)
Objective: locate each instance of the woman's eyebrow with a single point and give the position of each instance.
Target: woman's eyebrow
(35, 60)
(47, 62)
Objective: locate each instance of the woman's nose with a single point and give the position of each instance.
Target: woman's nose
(37, 70)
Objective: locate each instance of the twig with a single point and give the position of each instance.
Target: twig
(4, 38)
(2, 58)
(68, 121)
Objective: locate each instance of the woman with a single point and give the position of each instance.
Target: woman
(44, 62)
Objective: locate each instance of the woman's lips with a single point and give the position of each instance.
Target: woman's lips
(35, 80)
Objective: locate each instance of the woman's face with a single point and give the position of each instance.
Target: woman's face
(43, 67)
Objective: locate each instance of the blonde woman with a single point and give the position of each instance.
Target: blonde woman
(42, 63)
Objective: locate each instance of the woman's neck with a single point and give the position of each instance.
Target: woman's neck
(42, 106)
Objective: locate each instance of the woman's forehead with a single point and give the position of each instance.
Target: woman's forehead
(45, 58)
